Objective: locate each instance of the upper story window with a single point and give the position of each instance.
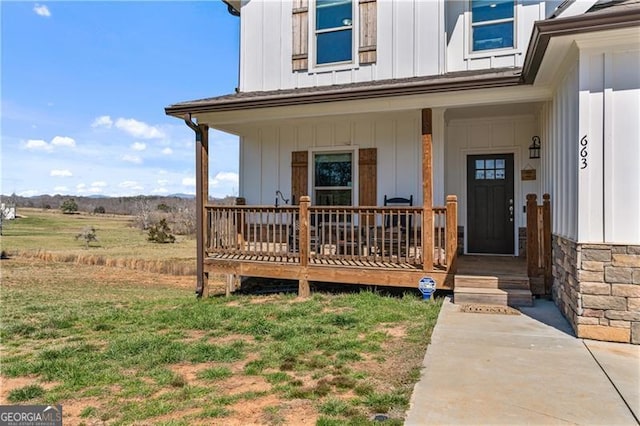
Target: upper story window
(492, 24)
(334, 31)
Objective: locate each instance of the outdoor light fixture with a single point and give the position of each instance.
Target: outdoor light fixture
(534, 148)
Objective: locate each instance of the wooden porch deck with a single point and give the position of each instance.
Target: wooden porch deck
(353, 263)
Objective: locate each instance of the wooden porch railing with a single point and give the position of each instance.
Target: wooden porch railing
(326, 234)
(539, 240)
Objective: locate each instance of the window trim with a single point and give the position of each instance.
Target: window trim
(353, 150)
(312, 44)
(469, 26)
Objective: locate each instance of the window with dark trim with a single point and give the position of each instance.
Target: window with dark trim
(492, 24)
(334, 31)
(333, 178)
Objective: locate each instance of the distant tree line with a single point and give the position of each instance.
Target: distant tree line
(156, 214)
(109, 205)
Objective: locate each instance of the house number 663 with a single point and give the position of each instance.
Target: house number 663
(583, 152)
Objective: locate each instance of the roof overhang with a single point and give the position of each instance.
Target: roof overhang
(233, 6)
(543, 31)
(346, 92)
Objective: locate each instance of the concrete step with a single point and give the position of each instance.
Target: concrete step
(492, 296)
(516, 282)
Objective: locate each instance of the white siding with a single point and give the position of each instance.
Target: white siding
(609, 177)
(415, 38)
(559, 120)
(266, 152)
(497, 135)
(410, 43)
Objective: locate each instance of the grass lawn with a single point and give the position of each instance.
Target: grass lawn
(49, 234)
(131, 347)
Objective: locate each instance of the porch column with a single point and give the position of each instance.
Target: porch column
(202, 197)
(427, 191)
(303, 284)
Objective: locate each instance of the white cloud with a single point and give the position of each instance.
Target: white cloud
(60, 173)
(99, 184)
(63, 141)
(224, 178)
(41, 10)
(102, 121)
(139, 129)
(160, 191)
(40, 145)
(163, 182)
(189, 181)
(60, 189)
(37, 145)
(167, 151)
(132, 159)
(139, 146)
(81, 186)
(30, 193)
(130, 184)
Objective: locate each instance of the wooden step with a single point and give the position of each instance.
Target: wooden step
(492, 296)
(516, 282)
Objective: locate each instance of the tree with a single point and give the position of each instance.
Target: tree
(99, 210)
(164, 208)
(143, 212)
(88, 234)
(160, 233)
(69, 206)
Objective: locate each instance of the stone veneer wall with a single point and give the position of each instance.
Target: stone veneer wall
(597, 288)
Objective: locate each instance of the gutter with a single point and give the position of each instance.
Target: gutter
(590, 22)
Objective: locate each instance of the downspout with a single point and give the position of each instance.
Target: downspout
(199, 207)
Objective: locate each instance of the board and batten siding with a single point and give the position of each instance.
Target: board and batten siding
(266, 153)
(592, 156)
(608, 150)
(559, 140)
(491, 135)
(410, 42)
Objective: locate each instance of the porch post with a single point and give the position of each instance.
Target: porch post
(303, 283)
(546, 235)
(202, 197)
(427, 191)
(452, 232)
(532, 235)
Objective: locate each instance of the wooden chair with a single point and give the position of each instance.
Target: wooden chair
(398, 226)
(393, 221)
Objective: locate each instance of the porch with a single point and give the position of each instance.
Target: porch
(351, 245)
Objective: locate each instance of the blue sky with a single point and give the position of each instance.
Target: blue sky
(83, 91)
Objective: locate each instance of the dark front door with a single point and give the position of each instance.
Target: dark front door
(490, 211)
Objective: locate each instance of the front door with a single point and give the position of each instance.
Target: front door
(490, 211)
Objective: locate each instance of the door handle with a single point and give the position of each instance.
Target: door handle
(511, 210)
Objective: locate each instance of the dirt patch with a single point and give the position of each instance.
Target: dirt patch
(235, 385)
(394, 331)
(71, 410)
(489, 309)
(8, 384)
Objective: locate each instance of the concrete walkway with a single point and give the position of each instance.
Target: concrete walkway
(523, 369)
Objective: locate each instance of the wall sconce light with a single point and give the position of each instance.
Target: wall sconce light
(534, 148)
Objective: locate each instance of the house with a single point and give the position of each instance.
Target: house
(470, 111)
